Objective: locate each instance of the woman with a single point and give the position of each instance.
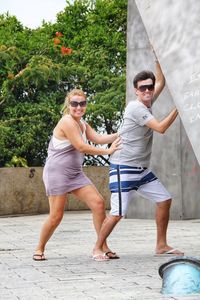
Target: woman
(63, 170)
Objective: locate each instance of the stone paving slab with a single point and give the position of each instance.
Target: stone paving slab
(71, 274)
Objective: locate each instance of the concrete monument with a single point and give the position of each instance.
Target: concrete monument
(172, 29)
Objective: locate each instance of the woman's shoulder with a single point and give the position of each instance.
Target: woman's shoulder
(66, 117)
(66, 120)
(83, 122)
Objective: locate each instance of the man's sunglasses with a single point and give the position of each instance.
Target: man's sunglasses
(76, 103)
(143, 88)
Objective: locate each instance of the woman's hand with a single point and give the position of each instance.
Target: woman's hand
(115, 146)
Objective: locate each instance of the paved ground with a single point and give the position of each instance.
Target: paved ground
(71, 274)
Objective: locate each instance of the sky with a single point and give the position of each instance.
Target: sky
(31, 12)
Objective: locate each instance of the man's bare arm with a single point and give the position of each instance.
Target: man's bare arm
(162, 126)
(160, 81)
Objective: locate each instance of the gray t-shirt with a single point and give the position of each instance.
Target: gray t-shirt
(136, 137)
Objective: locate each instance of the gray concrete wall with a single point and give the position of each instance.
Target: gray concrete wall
(173, 29)
(22, 190)
(173, 159)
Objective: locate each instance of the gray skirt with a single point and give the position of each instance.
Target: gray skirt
(63, 172)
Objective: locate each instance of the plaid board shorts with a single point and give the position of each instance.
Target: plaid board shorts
(125, 179)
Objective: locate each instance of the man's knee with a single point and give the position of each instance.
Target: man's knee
(115, 219)
(164, 204)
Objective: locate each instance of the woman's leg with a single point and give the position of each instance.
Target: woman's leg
(93, 199)
(57, 206)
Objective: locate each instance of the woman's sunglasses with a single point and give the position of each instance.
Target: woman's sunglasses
(76, 103)
(143, 88)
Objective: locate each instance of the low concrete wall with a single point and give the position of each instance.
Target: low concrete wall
(22, 190)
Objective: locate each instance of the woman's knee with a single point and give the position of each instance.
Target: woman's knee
(98, 205)
(56, 218)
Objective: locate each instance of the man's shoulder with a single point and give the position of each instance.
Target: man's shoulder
(134, 105)
(133, 101)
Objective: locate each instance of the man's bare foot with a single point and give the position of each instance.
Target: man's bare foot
(169, 251)
(110, 253)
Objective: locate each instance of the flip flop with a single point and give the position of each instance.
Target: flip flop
(171, 252)
(39, 255)
(100, 257)
(113, 255)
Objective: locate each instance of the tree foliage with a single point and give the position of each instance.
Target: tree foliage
(85, 48)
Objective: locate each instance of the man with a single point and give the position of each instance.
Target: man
(129, 167)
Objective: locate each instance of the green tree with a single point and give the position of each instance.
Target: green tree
(85, 48)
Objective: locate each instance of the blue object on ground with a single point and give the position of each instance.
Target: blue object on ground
(181, 276)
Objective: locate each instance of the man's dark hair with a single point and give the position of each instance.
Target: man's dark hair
(143, 75)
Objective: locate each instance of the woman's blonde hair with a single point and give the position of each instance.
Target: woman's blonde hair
(74, 92)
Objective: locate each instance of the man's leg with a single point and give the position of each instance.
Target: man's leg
(118, 209)
(119, 201)
(108, 225)
(154, 190)
(162, 220)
